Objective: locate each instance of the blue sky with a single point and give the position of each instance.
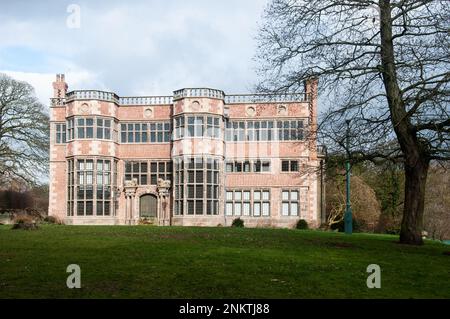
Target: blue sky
(132, 48)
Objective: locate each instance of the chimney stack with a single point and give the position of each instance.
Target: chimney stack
(60, 86)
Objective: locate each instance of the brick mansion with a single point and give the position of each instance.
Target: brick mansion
(199, 157)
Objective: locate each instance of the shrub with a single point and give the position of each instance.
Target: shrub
(302, 224)
(237, 223)
(53, 220)
(24, 222)
(341, 226)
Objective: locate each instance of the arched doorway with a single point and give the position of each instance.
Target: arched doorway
(148, 206)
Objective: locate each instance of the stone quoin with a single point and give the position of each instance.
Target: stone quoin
(199, 157)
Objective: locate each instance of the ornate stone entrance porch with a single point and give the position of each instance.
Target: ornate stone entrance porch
(147, 202)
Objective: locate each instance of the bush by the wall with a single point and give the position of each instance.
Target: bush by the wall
(237, 223)
(52, 220)
(302, 224)
(24, 222)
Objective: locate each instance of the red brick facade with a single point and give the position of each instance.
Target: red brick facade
(199, 157)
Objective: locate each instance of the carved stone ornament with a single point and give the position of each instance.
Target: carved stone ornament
(195, 106)
(251, 111)
(282, 110)
(148, 113)
(84, 108)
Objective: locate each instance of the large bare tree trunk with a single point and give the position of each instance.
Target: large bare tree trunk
(414, 150)
(412, 223)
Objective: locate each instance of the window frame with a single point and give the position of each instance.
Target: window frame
(289, 201)
(150, 132)
(60, 133)
(84, 179)
(290, 163)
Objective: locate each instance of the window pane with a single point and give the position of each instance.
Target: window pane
(190, 207)
(190, 191)
(246, 209)
(294, 166)
(107, 208)
(266, 209)
(199, 176)
(285, 209)
(257, 209)
(89, 132)
(229, 196)
(285, 166)
(237, 209)
(294, 195)
(100, 208)
(80, 132)
(89, 165)
(285, 195)
(89, 208)
(199, 191)
(199, 207)
(294, 209)
(80, 208)
(229, 209)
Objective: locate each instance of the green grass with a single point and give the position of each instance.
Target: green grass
(154, 262)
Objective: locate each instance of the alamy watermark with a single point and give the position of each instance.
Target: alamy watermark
(74, 279)
(73, 21)
(374, 279)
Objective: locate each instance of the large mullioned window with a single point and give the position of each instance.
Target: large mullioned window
(283, 130)
(290, 203)
(254, 203)
(152, 132)
(60, 133)
(197, 126)
(90, 128)
(289, 166)
(196, 186)
(247, 166)
(90, 187)
(148, 172)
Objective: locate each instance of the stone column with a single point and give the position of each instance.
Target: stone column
(164, 195)
(130, 192)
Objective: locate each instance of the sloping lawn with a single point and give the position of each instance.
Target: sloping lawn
(175, 262)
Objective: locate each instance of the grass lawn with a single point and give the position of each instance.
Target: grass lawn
(176, 262)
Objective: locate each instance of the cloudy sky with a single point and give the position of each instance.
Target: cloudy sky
(137, 47)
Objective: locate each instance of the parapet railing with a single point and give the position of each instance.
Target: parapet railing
(266, 98)
(146, 100)
(203, 92)
(111, 97)
(179, 94)
(92, 95)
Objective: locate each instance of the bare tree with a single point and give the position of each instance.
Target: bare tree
(24, 132)
(384, 65)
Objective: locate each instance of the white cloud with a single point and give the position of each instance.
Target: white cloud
(42, 82)
(143, 48)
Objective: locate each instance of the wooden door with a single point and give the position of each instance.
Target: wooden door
(148, 206)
